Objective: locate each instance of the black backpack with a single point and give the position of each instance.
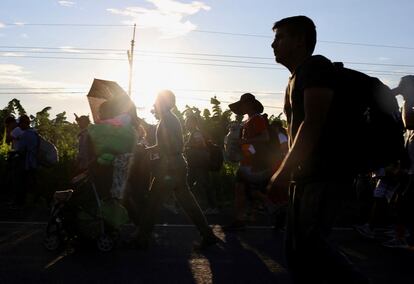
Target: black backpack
(369, 112)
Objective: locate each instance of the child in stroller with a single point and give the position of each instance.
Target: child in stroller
(84, 213)
(93, 209)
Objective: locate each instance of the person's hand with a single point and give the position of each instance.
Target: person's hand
(280, 177)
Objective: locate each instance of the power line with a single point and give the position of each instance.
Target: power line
(60, 48)
(377, 72)
(61, 52)
(149, 53)
(324, 41)
(64, 25)
(38, 93)
(367, 44)
(43, 93)
(206, 54)
(210, 32)
(65, 58)
(143, 90)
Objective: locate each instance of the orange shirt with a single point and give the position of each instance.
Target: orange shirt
(253, 127)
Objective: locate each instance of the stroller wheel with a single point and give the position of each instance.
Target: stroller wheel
(105, 243)
(51, 242)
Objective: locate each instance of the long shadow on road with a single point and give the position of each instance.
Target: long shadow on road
(170, 259)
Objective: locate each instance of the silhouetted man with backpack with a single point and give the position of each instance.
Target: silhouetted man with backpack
(26, 168)
(319, 176)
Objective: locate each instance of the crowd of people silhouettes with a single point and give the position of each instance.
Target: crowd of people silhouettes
(301, 172)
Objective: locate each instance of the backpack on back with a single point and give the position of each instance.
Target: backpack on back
(370, 110)
(47, 153)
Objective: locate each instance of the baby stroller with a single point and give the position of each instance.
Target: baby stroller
(82, 213)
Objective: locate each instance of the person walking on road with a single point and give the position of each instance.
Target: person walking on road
(318, 177)
(170, 174)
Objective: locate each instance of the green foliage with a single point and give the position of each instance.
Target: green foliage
(4, 147)
(63, 134)
(216, 107)
(206, 114)
(13, 108)
(58, 131)
(273, 118)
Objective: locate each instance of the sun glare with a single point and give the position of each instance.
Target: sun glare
(152, 76)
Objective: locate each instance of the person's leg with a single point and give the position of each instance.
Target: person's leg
(240, 195)
(135, 199)
(216, 181)
(292, 253)
(189, 203)
(156, 195)
(364, 190)
(208, 190)
(405, 211)
(379, 213)
(19, 182)
(240, 201)
(311, 257)
(32, 186)
(197, 186)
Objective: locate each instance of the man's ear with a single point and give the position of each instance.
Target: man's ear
(300, 41)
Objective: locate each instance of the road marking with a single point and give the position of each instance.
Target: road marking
(20, 239)
(271, 264)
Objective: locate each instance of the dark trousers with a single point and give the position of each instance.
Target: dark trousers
(405, 202)
(313, 208)
(23, 180)
(198, 179)
(167, 179)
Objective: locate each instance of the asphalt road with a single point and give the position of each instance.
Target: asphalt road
(252, 256)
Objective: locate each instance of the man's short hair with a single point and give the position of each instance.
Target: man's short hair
(24, 119)
(299, 26)
(166, 98)
(192, 118)
(10, 119)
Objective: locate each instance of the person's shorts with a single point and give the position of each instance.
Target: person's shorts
(255, 180)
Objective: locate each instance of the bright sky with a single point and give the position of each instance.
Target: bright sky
(185, 46)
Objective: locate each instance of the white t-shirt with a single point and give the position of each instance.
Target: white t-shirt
(15, 134)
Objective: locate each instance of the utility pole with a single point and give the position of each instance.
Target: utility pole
(131, 61)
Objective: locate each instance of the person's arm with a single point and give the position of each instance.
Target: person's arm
(317, 102)
(408, 113)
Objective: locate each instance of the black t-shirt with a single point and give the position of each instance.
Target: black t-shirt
(325, 160)
(169, 135)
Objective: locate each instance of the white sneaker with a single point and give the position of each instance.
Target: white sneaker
(396, 243)
(365, 231)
